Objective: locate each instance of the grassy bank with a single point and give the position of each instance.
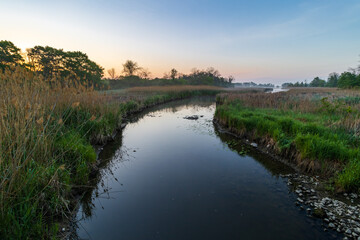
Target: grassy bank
(317, 129)
(47, 129)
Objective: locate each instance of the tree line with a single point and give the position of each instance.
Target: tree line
(134, 75)
(348, 79)
(51, 62)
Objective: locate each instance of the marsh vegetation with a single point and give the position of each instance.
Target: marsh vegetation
(317, 129)
(56, 106)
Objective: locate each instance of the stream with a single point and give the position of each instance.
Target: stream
(166, 177)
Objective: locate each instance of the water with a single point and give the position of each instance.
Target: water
(167, 177)
(276, 90)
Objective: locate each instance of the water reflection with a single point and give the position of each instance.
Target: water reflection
(240, 146)
(167, 177)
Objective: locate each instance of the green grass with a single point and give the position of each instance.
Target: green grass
(310, 134)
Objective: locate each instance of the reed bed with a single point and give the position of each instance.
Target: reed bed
(303, 100)
(42, 152)
(47, 128)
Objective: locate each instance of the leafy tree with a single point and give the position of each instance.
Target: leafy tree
(49, 61)
(332, 80)
(348, 80)
(285, 85)
(297, 84)
(9, 55)
(131, 67)
(78, 64)
(317, 82)
(210, 76)
(46, 60)
(267, 85)
(173, 73)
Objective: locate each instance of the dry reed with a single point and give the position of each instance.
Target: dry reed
(31, 114)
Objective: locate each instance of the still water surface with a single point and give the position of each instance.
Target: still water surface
(171, 178)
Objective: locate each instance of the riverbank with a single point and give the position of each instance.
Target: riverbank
(188, 173)
(47, 136)
(339, 212)
(315, 131)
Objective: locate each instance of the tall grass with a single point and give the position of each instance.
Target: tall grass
(334, 107)
(43, 150)
(47, 128)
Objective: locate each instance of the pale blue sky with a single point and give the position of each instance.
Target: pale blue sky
(261, 41)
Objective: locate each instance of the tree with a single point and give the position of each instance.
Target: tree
(317, 82)
(130, 67)
(9, 55)
(285, 85)
(81, 66)
(166, 75)
(145, 73)
(332, 80)
(194, 71)
(49, 61)
(231, 79)
(173, 73)
(348, 80)
(46, 60)
(112, 73)
(212, 71)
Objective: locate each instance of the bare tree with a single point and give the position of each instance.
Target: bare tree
(112, 73)
(166, 75)
(181, 75)
(130, 67)
(145, 73)
(194, 71)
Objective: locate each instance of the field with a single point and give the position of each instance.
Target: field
(315, 128)
(47, 132)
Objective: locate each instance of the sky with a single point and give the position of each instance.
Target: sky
(267, 41)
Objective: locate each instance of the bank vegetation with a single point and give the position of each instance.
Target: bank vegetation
(317, 129)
